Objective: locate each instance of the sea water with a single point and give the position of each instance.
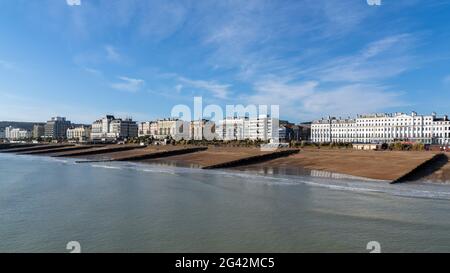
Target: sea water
(126, 207)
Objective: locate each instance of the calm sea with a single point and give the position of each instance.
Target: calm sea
(125, 207)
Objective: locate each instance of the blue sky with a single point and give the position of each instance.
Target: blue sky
(140, 58)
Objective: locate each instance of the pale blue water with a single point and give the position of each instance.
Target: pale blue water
(125, 207)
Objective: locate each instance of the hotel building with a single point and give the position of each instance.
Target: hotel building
(148, 128)
(17, 133)
(202, 129)
(111, 129)
(56, 128)
(79, 134)
(262, 128)
(38, 131)
(383, 128)
(167, 128)
(233, 128)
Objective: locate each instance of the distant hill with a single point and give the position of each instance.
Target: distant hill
(17, 124)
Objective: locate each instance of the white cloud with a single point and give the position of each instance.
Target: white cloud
(173, 14)
(379, 60)
(93, 71)
(220, 91)
(350, 100)
(279, 91)
(309, 100)
(73, 2)
(112, 54)
(178, 88)
(128, 84)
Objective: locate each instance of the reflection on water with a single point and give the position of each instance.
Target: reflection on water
(298, 171)
(128, 207)
(165, 162)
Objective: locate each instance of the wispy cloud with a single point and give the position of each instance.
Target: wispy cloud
(350, 100)
(112, 54)
(310, 100)
(220, 91)
(93, 71)
(313, 57)
(73, 2)
(379, 60)
(128, 84)
(178, 88)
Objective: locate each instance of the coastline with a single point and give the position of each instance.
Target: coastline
(383, 166)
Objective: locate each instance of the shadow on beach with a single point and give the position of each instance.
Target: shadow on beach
(426, 170)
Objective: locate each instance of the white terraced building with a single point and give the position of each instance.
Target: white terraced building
(383, 128)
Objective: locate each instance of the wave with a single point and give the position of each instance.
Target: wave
(106, 167)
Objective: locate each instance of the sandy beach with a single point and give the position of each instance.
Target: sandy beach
(382, 165)
(212, 156)
(379, 165)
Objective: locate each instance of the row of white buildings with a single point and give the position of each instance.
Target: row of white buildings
(12, 133)
(383, 128)
(262, 128)
(112, 129)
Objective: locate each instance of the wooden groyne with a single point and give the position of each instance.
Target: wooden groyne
(35, 148)
(426, 168)
(57, 150)
(5, 146)
(151, 155)
(253, 159)
(100, 151)
(162, 154)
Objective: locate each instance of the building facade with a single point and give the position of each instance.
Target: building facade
(38, 131)
(285, 133)
(56, 128)
(79, 134)
(167, 128)
(2, 133)
(111, 129)
(12, 133)
(148, 128)
(233, 128)
(202, 129)
(383, 128)
(263, 128)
